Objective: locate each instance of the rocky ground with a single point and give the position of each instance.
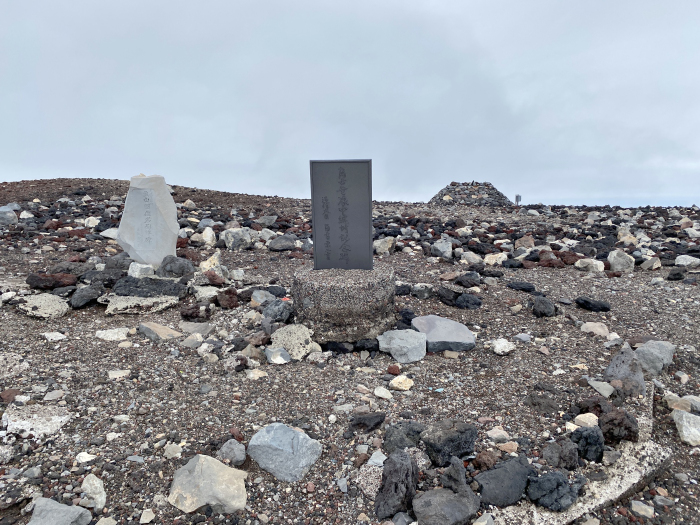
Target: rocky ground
(100, 408)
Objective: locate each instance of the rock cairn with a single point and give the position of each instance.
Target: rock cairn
(470, 193)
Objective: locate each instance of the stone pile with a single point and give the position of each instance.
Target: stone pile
(471, 194)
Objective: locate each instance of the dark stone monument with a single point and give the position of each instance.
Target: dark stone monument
(341, 202)
(343, 299)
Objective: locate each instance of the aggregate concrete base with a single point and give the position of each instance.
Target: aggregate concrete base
(640, 463)
(345, 305)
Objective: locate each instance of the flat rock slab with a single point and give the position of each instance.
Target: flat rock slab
(285, 453)
(207, 481)
(113, 334)
(444, 334)
(44, 306)
(158, 332)
(11, 365)
(117, 304)
(49, 512)
(196, 328)
(34, 419)
(406, 346)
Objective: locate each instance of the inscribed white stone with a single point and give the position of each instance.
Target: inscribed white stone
(148, 229)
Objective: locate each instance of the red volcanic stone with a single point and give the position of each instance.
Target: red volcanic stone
(227, 298)
(296, 255)
(529, 265)
(214, 278)
(80, 232)
(255, 226)
(49, 281)
(236, 434)
(8, 396)
(610, 275)
(52, 224)
(306, 227)
(394, 370)
(552, 263)
(606, 265)
(568, 258)
(182, 242)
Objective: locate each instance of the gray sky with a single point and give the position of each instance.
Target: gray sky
(587, 102)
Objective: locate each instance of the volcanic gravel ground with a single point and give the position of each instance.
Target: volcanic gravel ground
(163, 398)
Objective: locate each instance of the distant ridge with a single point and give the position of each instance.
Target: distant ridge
(470, 193)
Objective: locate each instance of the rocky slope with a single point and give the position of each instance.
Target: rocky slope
(570, 385)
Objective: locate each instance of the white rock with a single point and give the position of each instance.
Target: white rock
(589, 265)
(687, 261)
(498, 435)
(383, 393)
(401, 383)
(147, 516)
(688, 426)
(113, 334)
(595, 329)
(44, 306)
(495, 259)
(118, 374)
(139, 270)
(148, 229)
(11, 365)
(206, 481)
(34, 419)
(620, 261)
(586, 420)
(502, 346)
(295, 339)
(53, 337)
(84, 457)
(94, 489)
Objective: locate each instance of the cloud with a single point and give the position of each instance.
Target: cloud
(576, 103)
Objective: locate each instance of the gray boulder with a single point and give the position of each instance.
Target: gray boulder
(404, 434)
(553, 491)
(455, 476)
(444, 507)
(7, 216)
(448, 438)
(655, 355)
(237, 239)
(625, 367)
(444, 334)
(543, 307)
(284, 452)
(148, 287)
(49, 512)
(505, 484)
(278, 310)
(590, 442)
(173, 266)
(399, 482)
(233, 451)
(282, 243)
(84, 296)
(206, 481)
(442, 249)
(620, 262)
(406, 346)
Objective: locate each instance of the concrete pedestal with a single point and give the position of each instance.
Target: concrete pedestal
(345, 305)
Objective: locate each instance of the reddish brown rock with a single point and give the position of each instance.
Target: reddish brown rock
(485, 460)
(49, 281)
(227, 298)
(182, 242)
(214, 278)
(394, 370)
(8, 396)
(552, 263)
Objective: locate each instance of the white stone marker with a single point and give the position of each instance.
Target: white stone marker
(148, 229)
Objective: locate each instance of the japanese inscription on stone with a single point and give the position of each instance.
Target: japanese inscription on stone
(341, 202)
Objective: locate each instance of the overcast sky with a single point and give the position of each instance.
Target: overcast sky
(564, 102)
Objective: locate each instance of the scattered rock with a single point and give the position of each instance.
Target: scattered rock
(285, 453)
(206, 481)
(406, 346)
(49, 512)
(448, 438)
(399, 482)
(505, 484)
